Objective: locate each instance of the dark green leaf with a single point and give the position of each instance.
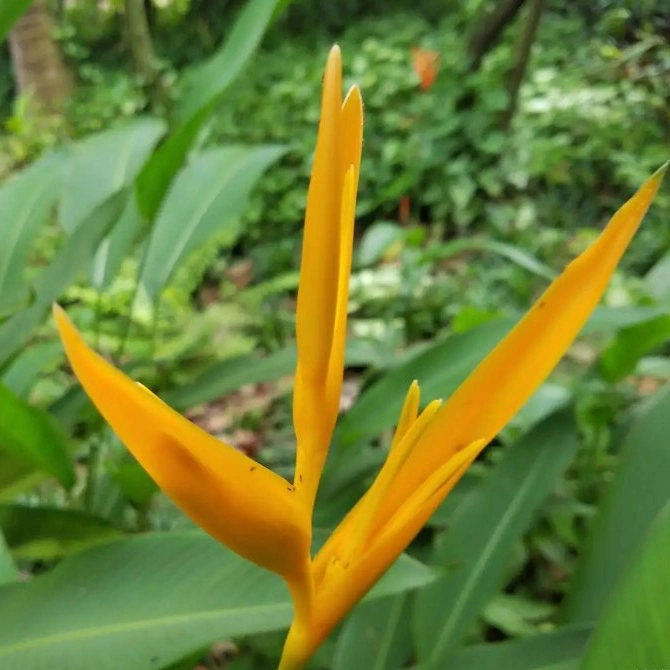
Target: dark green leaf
(635, 497)
(477, 548)
(631, 344)
(31, 435)
(440, 368)
(206, 82)
(10, 11)
(376, 636)
(44, 533)
(160, 170)
(633, 629)
(8, 571)
(559, 650)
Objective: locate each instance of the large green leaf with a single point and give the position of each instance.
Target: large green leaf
(440, 368)
(558, 650)
(44, 533)
(479, 543)
(32, 435)
(633, 631)
(71, 259)
(205, 83)
(10, 11)
(635, 497)
(25, 202)
(207, 197)
(148, 601)
(376, 636)
(103, 164)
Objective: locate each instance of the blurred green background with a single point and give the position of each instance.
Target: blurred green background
(154, 161)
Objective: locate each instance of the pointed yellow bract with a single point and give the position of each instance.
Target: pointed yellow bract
(266, 519)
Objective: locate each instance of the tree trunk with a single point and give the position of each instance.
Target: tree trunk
(139, 39)
(521, 58)
(490, 30)
(37, 62)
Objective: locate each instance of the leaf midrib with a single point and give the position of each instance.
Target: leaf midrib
(135, 626)
(481, 562)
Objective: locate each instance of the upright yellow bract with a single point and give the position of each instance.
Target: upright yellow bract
(265, 518)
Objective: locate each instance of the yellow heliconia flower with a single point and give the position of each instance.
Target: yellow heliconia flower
(265, 518)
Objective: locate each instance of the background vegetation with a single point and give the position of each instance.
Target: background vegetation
(154, 159)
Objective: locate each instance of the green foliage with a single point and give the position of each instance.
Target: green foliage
(121, 613)
(175, 247)
(633, 630)
(445, 148)
(476, 551)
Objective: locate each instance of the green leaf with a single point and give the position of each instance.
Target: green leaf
(8, 571)
(45, 533)
(610, 319)
(509, 251)
(16, 476)
(376, 241)
(633, 629)
(25, 202)
(375, 637)
(72, 258)
(160, 169)
(30, 434)
(630, 345)
(104, 164)
(558, 650)
(658, 278)
(631, 503)
(134, 482)
(149, 601)
(440, 368)
(30, 364)
(117, 245)
(204, 84)
(10, 12)
(229, 375)
(477, 548)
(207, 197)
